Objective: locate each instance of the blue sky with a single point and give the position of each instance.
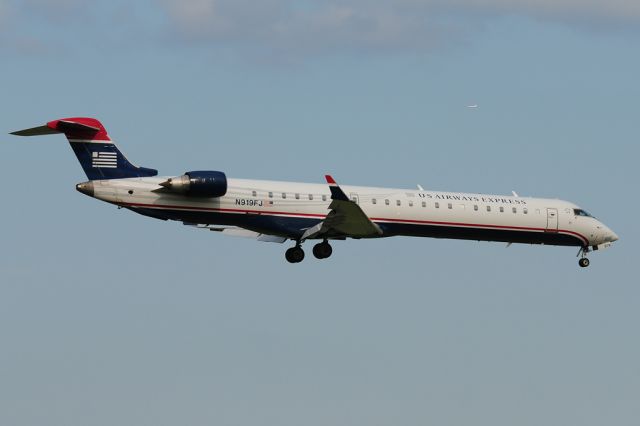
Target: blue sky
(108, 317)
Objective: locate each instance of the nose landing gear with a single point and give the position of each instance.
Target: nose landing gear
(584, 261)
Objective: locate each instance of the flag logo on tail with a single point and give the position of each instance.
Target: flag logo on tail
(104, 159)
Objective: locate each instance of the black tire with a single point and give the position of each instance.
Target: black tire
(294, 255)
(584, 262)
(322, 250)
(289, 256)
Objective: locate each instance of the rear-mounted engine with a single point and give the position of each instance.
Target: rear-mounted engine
(198, 184)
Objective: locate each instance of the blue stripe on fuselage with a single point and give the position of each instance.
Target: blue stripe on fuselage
(291, 227)
(294, 227)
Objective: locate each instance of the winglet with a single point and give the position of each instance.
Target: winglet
(346, 218)
(336, 191)
(330, 180)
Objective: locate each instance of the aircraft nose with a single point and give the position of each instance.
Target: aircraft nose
(86, 188)
(613, 236)
(608, 235)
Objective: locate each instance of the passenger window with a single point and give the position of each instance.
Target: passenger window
(284, 195)
(449, 206)
(475, 207)
(324, 197)
(386, 202)
(310, 197)
(254, 193)
(297, 196)
(424, 204)
(373, 201)
(525, 211)
(410, 203)
(397, 202)
(501, 209)
(514, 210)
(488, 208)
(437, 205)
(270, 194)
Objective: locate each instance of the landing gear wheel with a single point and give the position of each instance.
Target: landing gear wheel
(322, 250)
(584, 262)
(294, 254)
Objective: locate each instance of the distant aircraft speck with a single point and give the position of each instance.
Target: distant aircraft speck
(472, 106)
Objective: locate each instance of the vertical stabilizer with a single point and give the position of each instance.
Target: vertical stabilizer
(99, 157)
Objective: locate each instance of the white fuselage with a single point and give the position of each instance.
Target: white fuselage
(256, 204)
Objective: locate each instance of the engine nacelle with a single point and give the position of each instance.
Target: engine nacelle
(198, 184)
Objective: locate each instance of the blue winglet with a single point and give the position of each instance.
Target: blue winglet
(336, 191)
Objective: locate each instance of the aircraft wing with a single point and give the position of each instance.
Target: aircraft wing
(346, 218)
(235, 231)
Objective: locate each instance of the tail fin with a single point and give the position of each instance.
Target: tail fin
(98, 155)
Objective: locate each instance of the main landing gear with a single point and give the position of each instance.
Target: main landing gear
(320, 251)
(584, 261)
(294, 254)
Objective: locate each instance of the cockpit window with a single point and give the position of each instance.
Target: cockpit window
(580, 212)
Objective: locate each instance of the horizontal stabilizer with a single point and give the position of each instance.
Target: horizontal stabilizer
(36, 131)
(59, 126)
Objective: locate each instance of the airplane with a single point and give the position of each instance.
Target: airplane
(279, 211)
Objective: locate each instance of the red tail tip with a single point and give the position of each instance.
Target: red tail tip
(329, 179)
(80, 128)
